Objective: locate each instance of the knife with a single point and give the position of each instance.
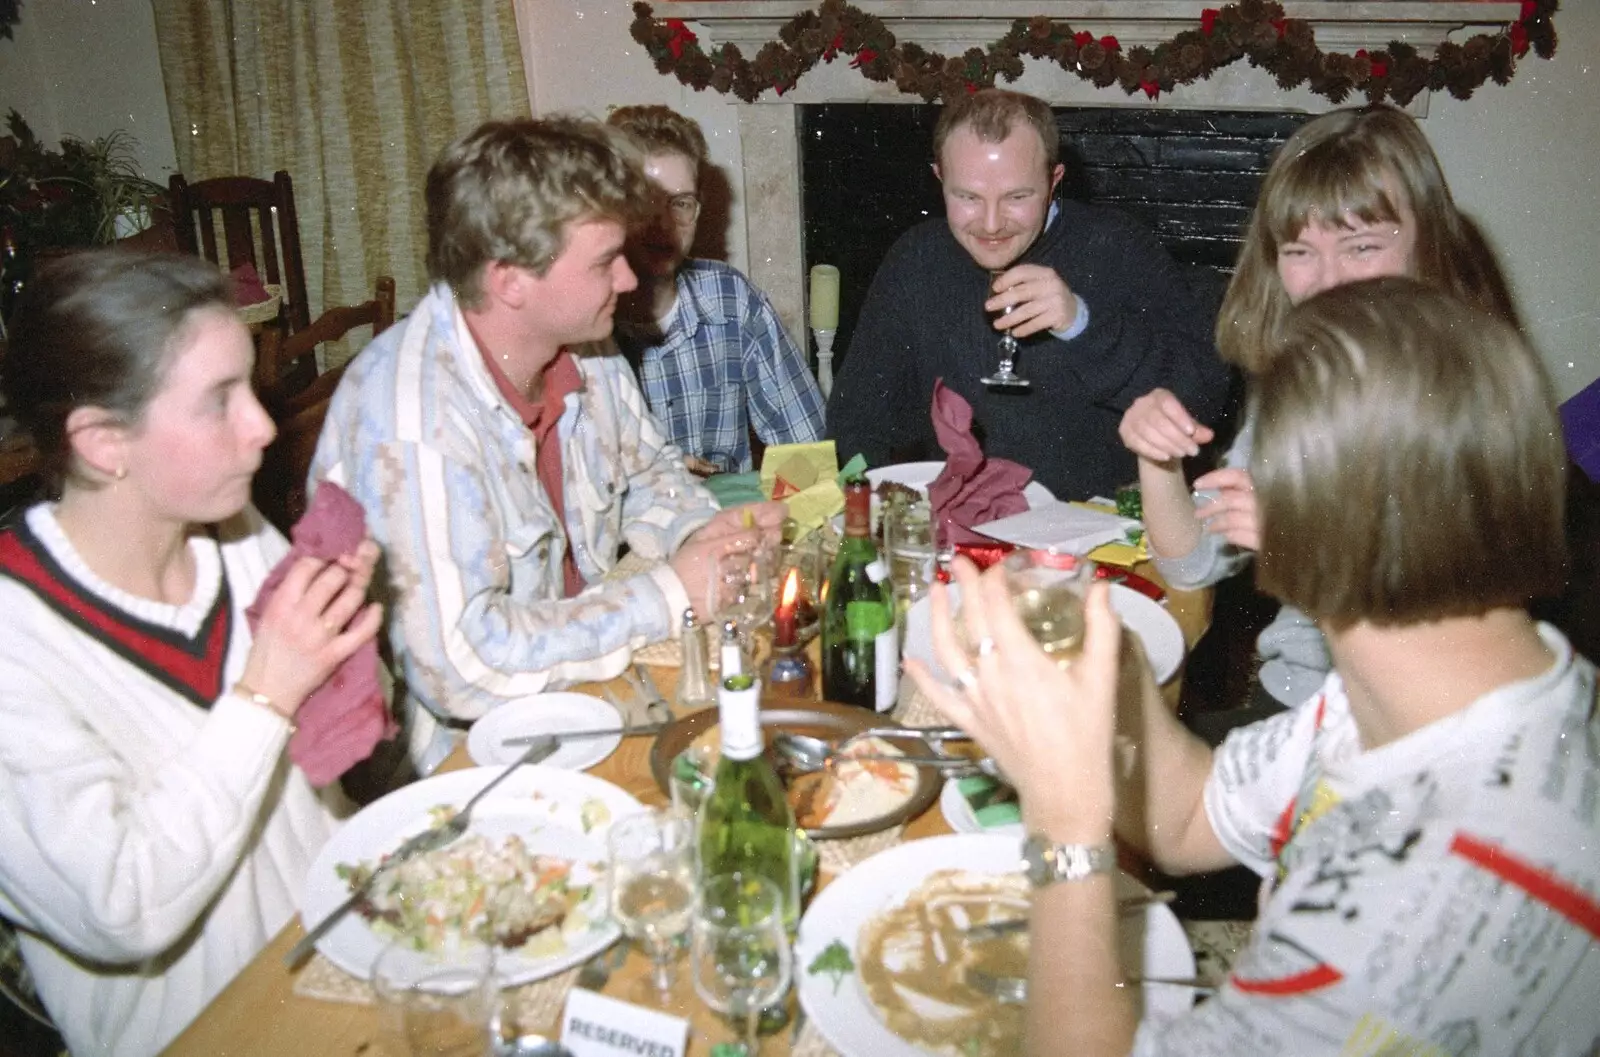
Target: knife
(573, 735)
(413, 846)
(656, 708)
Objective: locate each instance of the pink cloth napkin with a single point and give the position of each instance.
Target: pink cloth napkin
(971, 489)
(248, 289)
(346, 717)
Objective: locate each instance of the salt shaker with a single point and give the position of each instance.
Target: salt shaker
(694, 677)
(730, 656)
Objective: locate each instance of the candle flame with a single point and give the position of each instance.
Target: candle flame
(791, 588)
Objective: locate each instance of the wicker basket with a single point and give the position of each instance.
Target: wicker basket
(263, 311)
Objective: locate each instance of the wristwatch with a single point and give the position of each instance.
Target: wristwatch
(1047, 862)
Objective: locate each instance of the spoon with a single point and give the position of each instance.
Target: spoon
(806, 754)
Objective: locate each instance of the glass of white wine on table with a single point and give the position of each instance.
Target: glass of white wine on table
(653, 889)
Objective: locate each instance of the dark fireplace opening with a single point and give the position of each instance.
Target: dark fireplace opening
(1191, 176)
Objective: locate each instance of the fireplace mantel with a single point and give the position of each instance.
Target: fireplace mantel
(768, 128)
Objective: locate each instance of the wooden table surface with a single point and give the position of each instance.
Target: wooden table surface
(259, 1015)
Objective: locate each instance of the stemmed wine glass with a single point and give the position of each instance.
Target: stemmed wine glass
(652, 885)
(1005, 375)
(740, 950)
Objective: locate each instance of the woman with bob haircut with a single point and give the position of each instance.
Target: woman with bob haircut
(153, 836)
(1353, 194)
(1425, 827)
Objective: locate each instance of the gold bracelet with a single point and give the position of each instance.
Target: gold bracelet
(256, 697)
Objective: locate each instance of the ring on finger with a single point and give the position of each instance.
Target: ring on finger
(985, 646)
(968, 679)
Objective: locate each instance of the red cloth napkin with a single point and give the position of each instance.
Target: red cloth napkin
(971, 489)
(346, 717)
(248, 289)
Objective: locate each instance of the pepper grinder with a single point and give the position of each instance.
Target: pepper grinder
(694, 677)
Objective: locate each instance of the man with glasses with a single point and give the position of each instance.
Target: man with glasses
(711, 355)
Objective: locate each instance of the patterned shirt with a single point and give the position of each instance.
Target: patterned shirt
(1436, 896)
(725, 364)
(473, 546)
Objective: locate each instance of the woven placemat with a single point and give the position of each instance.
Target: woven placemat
(534, 1006)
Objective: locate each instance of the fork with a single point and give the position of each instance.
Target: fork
(1013, 990)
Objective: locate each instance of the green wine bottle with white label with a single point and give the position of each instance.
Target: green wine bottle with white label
(860, 647)
(746, 824)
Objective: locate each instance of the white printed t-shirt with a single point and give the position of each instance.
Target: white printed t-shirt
(1439, 895)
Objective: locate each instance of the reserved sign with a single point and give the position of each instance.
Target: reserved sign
(596, 1026)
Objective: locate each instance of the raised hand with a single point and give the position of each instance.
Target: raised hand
(1229, 509)
(1050, 728)
(1158, 428)
(314, 621)
(1039, 299)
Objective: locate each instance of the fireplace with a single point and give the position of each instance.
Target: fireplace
(775, 242)
(1191, 176)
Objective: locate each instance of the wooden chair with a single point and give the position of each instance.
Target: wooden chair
(298, 410)
(285, 365)
(258, 226)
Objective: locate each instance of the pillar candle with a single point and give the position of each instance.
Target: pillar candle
(824, 297)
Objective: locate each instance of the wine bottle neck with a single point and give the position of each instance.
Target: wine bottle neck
(739, 713)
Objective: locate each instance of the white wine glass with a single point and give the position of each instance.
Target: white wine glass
(740, 950)
(652, 886)
(1047, 591)
(1005, 375)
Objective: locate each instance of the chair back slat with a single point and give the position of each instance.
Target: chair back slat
(259, 227)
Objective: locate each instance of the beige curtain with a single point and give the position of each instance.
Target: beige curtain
(354, 98)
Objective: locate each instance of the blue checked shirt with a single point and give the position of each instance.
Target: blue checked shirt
(726, 364)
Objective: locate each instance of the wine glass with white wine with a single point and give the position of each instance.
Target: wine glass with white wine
(652, 886)
(1005, 375)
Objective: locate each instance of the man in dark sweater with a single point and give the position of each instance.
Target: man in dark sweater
(1102, 314)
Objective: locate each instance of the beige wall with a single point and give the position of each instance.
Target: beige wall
(1522, 158)
(85, 68)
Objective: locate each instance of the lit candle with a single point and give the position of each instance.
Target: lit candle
(787, 604)
(824, 297)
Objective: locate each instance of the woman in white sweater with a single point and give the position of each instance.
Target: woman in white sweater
(153, 836)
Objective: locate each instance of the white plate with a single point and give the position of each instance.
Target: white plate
(962, 819)
(920, 475)
(541, 805)
(1163, 639)
(1153, 943)
(545, 714)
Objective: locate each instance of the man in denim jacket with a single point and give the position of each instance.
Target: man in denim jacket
(502, 463)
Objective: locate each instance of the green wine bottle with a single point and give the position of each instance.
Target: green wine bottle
(747, 823)
(860, 647)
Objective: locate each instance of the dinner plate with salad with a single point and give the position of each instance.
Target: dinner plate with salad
(528, 876)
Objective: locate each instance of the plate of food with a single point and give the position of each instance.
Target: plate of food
(553, 713)
(528, 876)
(1157, 630)
(980, 803)
(882, 953)
(848, 800)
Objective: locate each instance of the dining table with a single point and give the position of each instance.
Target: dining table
(268, 1011)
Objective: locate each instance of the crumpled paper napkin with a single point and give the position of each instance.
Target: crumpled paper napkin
(346, 717)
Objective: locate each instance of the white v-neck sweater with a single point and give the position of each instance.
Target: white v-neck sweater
(149, 847)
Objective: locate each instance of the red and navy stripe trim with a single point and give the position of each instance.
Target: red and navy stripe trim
(192, 667)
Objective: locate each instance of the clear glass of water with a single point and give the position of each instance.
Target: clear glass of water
(909, 542)
(740, 950)
(438, 1003)
(652, 886)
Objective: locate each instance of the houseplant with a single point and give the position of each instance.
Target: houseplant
(86, 193)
